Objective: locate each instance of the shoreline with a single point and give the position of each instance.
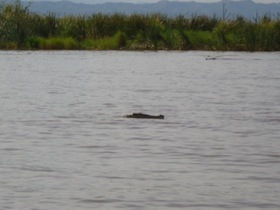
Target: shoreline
(140, 50)
(23, 30)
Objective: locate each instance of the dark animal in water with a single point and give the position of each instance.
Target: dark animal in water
(144, 116)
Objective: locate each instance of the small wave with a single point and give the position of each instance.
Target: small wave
(271, 120)
(258, 205)
(100, 201)
(11, 149)
(36, 169)
(95, 147)
(263, 179)
(111, 177)
(65, 117)
(213, 206)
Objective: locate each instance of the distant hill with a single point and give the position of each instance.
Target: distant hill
(245, 8)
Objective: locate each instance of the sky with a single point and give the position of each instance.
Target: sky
(151, 1)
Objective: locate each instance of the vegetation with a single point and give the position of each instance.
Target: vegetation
(21, 29)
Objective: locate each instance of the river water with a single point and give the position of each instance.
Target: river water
(64, 143)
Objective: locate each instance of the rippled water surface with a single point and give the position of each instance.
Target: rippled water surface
(64, 143)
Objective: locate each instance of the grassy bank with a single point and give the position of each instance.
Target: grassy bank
(21, 29)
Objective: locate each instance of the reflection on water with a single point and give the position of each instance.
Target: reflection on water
(64, 143)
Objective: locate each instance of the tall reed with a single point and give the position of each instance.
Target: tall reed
(21, 29)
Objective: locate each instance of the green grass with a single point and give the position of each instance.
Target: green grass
(53, 43)
(203, 40)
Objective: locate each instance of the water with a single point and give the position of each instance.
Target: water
(65, 145)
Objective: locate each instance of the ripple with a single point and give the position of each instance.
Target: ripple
(100, 201)
(266, 179)
(36, 169)
(11, 149)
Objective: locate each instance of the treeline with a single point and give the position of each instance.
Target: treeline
(21, 29)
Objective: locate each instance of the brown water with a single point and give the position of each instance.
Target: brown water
(65, 145)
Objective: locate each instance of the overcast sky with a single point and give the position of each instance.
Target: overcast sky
(151, 1)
